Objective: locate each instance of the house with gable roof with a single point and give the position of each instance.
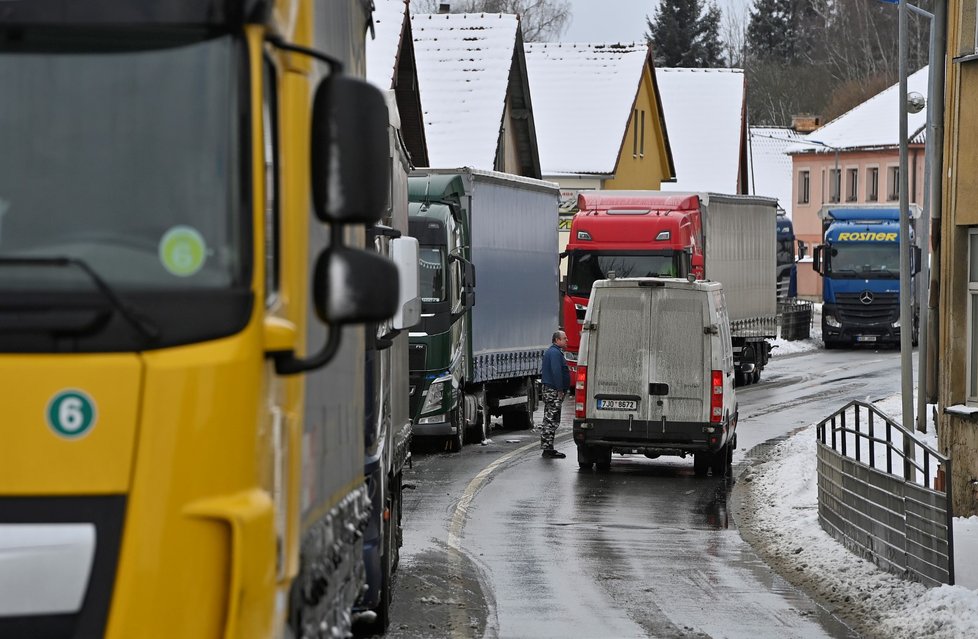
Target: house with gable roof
(391, 66)
(600, 123)
(855, 159)
(706, 113)
(475, 94)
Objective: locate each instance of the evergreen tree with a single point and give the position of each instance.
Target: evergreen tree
(685, 33)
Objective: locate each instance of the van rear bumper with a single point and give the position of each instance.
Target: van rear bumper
(674, 438)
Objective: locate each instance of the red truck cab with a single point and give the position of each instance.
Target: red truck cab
(633, 234)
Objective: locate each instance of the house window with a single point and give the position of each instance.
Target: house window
(972, 383)
(852, 185)
(641, 144)
(893, 183)
(835, 185)
(635, 132)
(872, 184)
(804, 187)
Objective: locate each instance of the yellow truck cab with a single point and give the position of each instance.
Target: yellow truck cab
(185, 188)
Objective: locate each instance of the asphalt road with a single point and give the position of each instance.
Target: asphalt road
(502, 543)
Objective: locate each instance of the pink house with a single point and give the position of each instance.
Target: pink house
(854, 159)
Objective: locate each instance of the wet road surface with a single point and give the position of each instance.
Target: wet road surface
(502, 543)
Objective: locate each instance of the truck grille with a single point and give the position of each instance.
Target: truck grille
(883, 309)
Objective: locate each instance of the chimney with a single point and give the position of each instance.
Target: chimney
(444, 7)
(805, 123)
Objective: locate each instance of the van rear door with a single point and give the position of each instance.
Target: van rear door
(618, 357)
(680, 361)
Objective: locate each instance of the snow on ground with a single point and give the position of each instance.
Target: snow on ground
(779, 516)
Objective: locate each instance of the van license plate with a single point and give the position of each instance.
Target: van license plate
(617, 404)
(865, 338)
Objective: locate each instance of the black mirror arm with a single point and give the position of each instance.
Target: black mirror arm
(286, 363)
(335, 66)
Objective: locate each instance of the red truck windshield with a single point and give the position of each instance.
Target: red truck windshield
(586, 267)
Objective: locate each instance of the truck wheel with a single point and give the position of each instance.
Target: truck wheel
(756, 376)
(455, 442)
(701, 464)
(480, 431)
(383, 609)
(603, 461)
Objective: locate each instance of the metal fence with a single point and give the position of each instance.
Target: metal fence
(795, 316)
(883, 494)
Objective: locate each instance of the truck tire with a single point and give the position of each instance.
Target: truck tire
(603, 459)
(701, 464)
(383, 610)
(479, 432)
(456, 441)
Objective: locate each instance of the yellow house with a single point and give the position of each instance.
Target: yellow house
(599, 119)
(955, 239)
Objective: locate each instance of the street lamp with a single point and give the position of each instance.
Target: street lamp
(932, 193)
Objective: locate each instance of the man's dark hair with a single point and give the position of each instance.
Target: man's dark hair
(556, 336)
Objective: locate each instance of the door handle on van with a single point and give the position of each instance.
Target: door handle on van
(711, 330)
(658, 389)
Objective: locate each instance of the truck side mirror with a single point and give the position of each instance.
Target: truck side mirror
(802, 249)
(349, 150)
(404, 252)
(350, 286)
(817, 259)
(353, 286)
(916, 258)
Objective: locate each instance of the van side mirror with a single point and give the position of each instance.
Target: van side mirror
(817, 259)
(349, 151)
(404, 253)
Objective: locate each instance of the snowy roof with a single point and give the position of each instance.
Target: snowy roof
(583, 96)
(383, 48)
(704, 111)
(873, 124)
(464, 63)
(770, 167)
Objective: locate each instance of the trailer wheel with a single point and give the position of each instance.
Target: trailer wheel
(379, 625)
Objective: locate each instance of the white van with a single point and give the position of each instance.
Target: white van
(655, 374)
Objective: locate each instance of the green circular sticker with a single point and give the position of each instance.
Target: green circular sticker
(183, 250)
(71, 413)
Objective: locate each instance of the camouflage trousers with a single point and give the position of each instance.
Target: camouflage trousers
(551, 416)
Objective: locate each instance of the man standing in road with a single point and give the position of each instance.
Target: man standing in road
(556, 383)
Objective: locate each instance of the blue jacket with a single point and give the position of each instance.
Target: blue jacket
(555, 372)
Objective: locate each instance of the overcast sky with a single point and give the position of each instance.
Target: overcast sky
(620, 20)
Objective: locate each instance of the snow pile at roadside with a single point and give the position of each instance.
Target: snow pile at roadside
(779, 516)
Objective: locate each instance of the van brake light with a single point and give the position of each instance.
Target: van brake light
(716, 397)
(580, 391)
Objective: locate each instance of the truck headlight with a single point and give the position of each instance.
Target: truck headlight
(433, 419)
(831, 321)
(436, 393)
